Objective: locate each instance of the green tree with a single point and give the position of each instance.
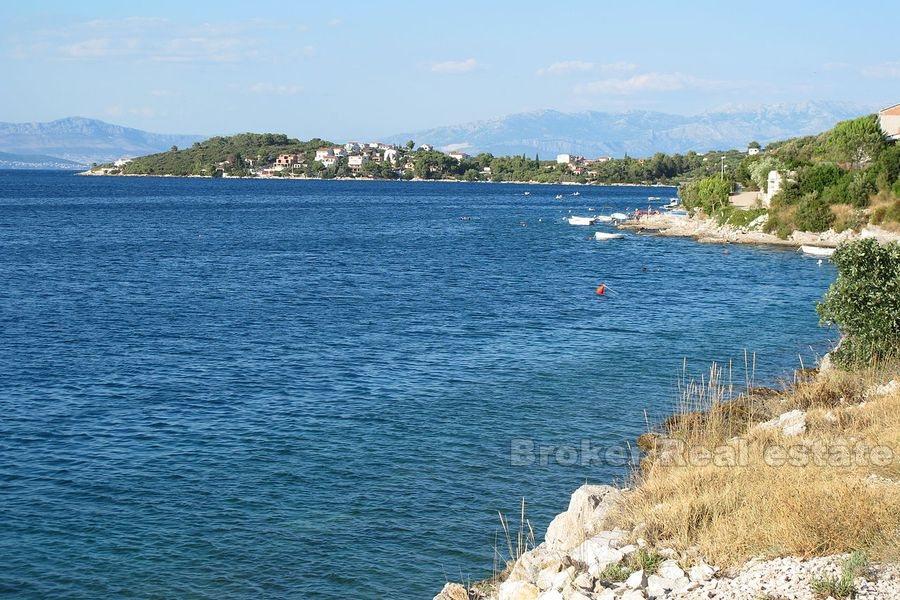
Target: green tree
(856, 141)
(864, 301)
(410, 144)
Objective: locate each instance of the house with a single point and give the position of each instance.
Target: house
(751, 151)
(426, 147)
(329, 161)
(773, 186)
(459, 156)
(357, 161)
(563, 159)
(352, 147)
(390, 155)
(288, 160)
(324, 153)
(889, 121)
(122, 162)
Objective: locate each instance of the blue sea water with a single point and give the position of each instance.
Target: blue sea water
(245, 389)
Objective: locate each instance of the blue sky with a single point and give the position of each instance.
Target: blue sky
(356, 69)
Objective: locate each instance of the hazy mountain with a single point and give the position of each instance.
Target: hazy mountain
(637, 133)
(36, 161)
(85, 140)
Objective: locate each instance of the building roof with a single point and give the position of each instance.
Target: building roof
(890, 110)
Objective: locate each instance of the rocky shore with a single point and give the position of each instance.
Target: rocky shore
(592, 551)
(709, 231)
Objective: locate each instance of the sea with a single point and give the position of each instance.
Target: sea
(223, 388)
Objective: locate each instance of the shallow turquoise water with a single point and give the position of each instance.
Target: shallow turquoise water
(311, 389)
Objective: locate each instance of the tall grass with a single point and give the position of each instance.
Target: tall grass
(750, 506)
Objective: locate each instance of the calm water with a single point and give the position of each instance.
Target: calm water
(310, 389)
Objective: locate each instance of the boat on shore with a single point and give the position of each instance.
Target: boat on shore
(816, 250)
(603, 235)
(619, 216)
(603, 219)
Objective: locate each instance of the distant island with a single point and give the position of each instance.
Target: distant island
(276, 155)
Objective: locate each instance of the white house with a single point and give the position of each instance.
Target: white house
(329, 161)
(426, 147)
(773, 186)
(390, 155)
(357, 161)
(563, 159)
(322, 154)
(752, 151)
(889, 120)
(122, 162)
(352, 147)
(459, 156)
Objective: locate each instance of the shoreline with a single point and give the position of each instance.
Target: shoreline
(708, 231)
(413, 180)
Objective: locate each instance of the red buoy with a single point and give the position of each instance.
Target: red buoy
(601, 289)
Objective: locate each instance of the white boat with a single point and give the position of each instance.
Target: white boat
(602, 235)
(603, 218)
(816, 250)
(576, 193)
(581, 220)
(654, 198)
(672, 204)
(618, 216)
(559, 196)
(527, 194)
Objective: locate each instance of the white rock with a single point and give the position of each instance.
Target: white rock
(584, 581)
(551, 595)
(562, 579)
(636, 580)
(885, 389)
(452, 591)
(564, 531)
(629, 549)
(576, 595)
(657, 585)
(545, 578)
(701, 572)
(605, 594)
(518, 590)
(633, 595)
(588, 508)
(596, 553)
(669, 569)
(790, 423)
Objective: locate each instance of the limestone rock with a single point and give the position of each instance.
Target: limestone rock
(588, 508)
(551, 595)
(545, 578)
(637, 580)
(669, 569)
(596, 553)
(584, 581)
(518, 590)
(453, 591)
(633, 595)
(701, 572)
(790, 423)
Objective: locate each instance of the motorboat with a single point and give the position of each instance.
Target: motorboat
(603, 218)
(581, 220)
(816, 250)
(619, 216)
(601, 236)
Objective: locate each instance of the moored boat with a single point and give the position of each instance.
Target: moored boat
(619, 216)
(816, 250)
(603, 235)
(581, 220)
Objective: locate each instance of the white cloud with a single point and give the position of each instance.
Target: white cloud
(272, 89)
(654, 82)
(455, 66)
(335, 22)
(580, 66)
(887, 70)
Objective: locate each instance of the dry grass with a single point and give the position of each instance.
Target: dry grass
(847, 216)
(738, 499)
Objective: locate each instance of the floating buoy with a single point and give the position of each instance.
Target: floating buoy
(601, 289)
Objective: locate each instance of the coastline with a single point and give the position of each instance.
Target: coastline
(414, 179)
(707, 230)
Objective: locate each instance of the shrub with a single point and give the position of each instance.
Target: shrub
(864, 301)
(861, 186)
(817, 177)
(813, 213)
(847, 217)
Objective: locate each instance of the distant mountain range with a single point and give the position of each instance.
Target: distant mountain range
(636, 133)
(80, 141)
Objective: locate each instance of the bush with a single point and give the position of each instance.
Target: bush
(861, 186)
(864, 301)
(813, 213)
(816, 178)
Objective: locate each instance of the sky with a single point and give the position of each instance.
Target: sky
(357, 70)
